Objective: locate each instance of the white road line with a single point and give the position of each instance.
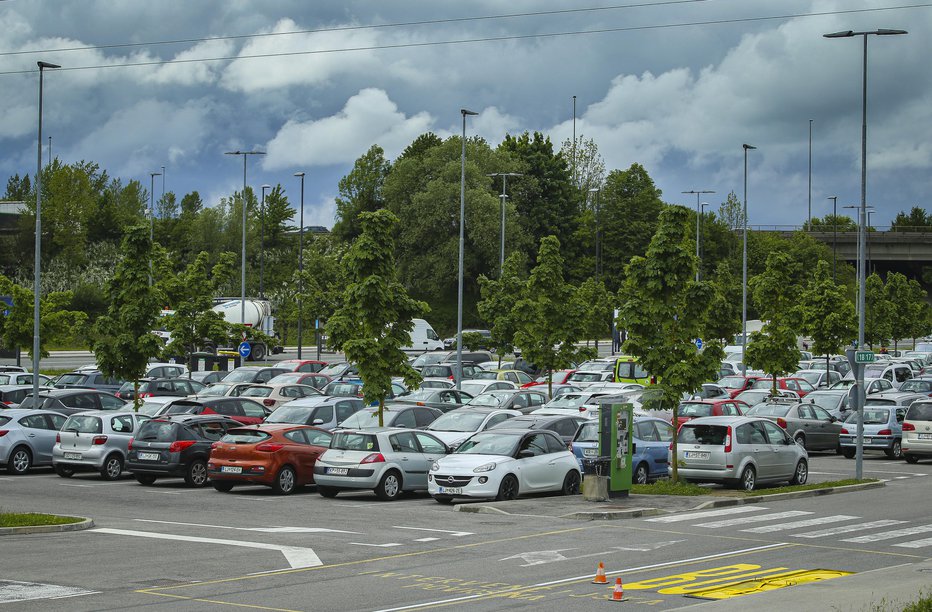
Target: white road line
(822, 520)
(916, 543)
(259, 529)
(757, 518)
(455, 534)
(427, 539)
(389, 545)
(297, 556)
(848, 528)
(164, 492)
(698, 515)
(889, 535)
(12, 591)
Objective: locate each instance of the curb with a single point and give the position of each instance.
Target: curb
(612, 515)
(85, 523)
(740, 501)
(479, 509)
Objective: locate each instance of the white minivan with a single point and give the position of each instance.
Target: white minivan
(423, 338)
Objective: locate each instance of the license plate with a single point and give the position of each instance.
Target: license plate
(590, 452)
(450, 490)
(696, 455)
(230, 469)
(72, 455)
(927, 436)
(338, 471)
(868, 440)
(148, 456)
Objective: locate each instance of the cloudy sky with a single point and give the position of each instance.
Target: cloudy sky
(675, 85)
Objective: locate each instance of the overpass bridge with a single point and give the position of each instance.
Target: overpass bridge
(883, 245)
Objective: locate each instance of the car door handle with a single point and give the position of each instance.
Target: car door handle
(32, 435)
(404, 458)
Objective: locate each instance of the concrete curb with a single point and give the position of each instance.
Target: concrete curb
(479, 509)
(612, 515)
(740, 501)
(85, 523)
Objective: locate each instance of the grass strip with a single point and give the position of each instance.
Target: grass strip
(34, 519)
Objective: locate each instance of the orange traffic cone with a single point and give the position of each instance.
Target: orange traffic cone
(600, 575)
(619, 593)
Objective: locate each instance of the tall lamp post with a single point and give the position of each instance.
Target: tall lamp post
(242, 312)
(701, 232)
(744, 265)
(598, 230)
(301, 267)
(459, 295)
(501, 257)
(698, 215)
(262, 244)
(152, 176)
(862, 229)
(38, 263)
(834, 200)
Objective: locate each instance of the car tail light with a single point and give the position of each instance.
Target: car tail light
(179, 445)
(374, 458)
(214, 445)
(909, 427)
(885, 432)
(844, 430)
(57, 438)
(8, 403)
(781, 422)
(143, 395)
(3, 432)
(420, 404)
(130, 445)
(653, 380)
(98, 440)
(582, 408)
(270, 447)
(728, 440)
(268, 402)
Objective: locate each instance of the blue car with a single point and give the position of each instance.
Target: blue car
(883, 430)
(652, 438)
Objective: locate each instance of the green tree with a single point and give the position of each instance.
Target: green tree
(827, 313)
(549, 318)
(374, 321)
(921, 317)
(497, 306)
(773, 350)
(902, 310)
(731, 212)
(726, 304)
(18, 188)
(597, 306)
(278, 218)
(831, 223)
(665, 310)
(56, 320)
(877, 312)
(360, 191)
(917, 220)
(585, 163)
(123, 338)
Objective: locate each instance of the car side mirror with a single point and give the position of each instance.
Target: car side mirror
(525, 454)
(833, 419)
(789, 441)
(318, 422)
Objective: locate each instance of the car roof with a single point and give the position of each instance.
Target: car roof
(514, 431)
(71, 391)
(15, 413)
(192, 418)
(723, 420)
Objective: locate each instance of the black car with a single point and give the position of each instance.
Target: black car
(207, 376)
(176, 446)
(88, 379)
(72, 401)
(443, 400)
(563, 426)
(253, 374)
(150, 387)
(241, 409)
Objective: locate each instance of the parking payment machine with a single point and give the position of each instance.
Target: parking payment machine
(616, 428)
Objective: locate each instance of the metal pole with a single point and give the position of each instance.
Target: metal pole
(575, 173)
(245, 155)
(459, 295)
(152, 176)
(744, 266)
(834, 200)
(301, 269)
(598, 233)
(810, 175)
(50, 150)
(163, 181)
(698, 192)
(262, 244)
(38, 255)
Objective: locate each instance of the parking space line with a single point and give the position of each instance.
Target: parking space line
(822, 520)
(706, 513)
(389, 545)
(848, 528)
(757, 518)
(455, 534)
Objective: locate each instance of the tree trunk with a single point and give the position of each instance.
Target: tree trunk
(827, 377)
(135, 396)
(381, 411)
(550, 383)
(773, 391)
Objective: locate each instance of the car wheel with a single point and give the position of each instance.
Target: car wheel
(20, 461)
(145, 479)
(800, 439)
(895, 451)
(330, 492)
(508, 489)
(443, 499)
(285, 481)
(113, 467)
(748, 478)
(911, 458)
(848, 452)
(801, 475)
(64, 472)
(389, 486)
(196, 474)
(571, 483)
(224, 486)
(640, 474)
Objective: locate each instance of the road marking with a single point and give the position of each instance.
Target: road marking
(389, 545)
(829, 473)
(297, 557)
(888, 535)
(12, 591)
(426, 539)
(540, 557)
(759, 518)
(698, 515)
(848, 528)
(164, 492)
(455, 534)
(916, 543)
(797, 524)
(259, 529)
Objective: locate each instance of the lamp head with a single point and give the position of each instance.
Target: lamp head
(883, 32)
(465, 112)
(748, 147)
(844, 34)
(43, 65)
(301, 174)
(266, 187)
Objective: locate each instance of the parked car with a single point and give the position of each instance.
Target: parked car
(393, 415)
(883, 430)
(457, 425)
(448, 370)
(385, 461)
(434, 383)
(88, 379)
(895, 373)
(476, 387)
(152, 406)
(564, 426)
(871, 385)
(738, 451)
(176, 446)
(207, 377)
(443, 400)
(71, 401)
(95, 441)
(281, 456)
(166, 370)
(652, 437)
(712, 391)
(11, 396)
(340, 370)
(302, 365)
(894, 398)
(917, 431)
(737, 384)
(318, 381)
(810, 426)
(503, 464)
(150, 387)
(427, 359)
(323, 411)
(836, 402)
(522, 400)
(23, 378)
(584, 378)
(692, 409)
(918, 385)
(274, 395)
(27, 439)
(253, 374)
(558, 377)
(819, 378)
(799, 385)
(756, 396)
(240, 409)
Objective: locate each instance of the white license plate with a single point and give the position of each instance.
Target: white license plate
(72, 455)
(450, 490)
(868, 440)
(590, 452)
(338, 471)
(696, 455)
(925, 436)
(230, 469)
(148, 456)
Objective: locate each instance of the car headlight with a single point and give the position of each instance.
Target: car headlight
(488, 467)
(434, 466)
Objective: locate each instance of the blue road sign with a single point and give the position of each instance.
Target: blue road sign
(699, 343)
(244, 350)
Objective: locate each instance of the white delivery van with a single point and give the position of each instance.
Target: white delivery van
(423, 338)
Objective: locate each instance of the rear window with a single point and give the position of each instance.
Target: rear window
(354, 442)
(245, 436)
(241, 376)
(256, 392)
(710, 435)
(83, 424)
(4, 420)
(875, 417)
(158, 431)
(589, 432)
(768, 410)
(72, 379)
(181, 408)
(732, 382)
(363, 419)
(290, 414)
(695, 410)
(920, 412)
(342, 389)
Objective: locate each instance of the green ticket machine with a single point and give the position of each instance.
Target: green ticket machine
(612, 468)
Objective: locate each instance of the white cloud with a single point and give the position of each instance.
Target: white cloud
(17, 121)
(322, 213)
(188, 72)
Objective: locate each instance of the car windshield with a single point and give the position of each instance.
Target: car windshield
(334, 369)
(421, 395)
(436, 371)
(427, 359)
(473, 389)
(873, 416)
(181, 408)
(216, 389)
(828, 401)
(589, 432)
(83, 424)
(486, 399)
(590, 376)
(490, 444)
(257, 392)
(157, 431)
(917, 386)
(71, 379)
(569, 400)
(919, 412)
(753, 396)
(244, 436)
(354, 441)
(695, 410)
(289, 378)
(811, 377)
(290, 414)
(732, 382)
(713, 435)
(874, 371)
(240, 376)
(364, 419)
(765, 409)
(150, 408)
(596, 366)
(458, 420)
(877, 401)
(342, 389)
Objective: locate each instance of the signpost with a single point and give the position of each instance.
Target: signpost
(864, 357)
(244, 350)
(857, 359)
(699, 343)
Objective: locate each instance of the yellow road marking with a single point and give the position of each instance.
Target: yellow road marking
(770, 583)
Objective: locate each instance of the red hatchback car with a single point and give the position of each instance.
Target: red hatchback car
(800, 385)
(244, 410)
(302, 365)
(693, 409)
(734, 385)
(276, 455)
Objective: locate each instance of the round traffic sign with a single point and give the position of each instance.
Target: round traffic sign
(244, 350)
(699, 343)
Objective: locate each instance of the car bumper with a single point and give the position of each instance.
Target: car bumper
(355, 478)
(91, 458)
(705, 475)
(472, 488)
(914, 446)
(249, 474)
(870, 442)
(170, 468)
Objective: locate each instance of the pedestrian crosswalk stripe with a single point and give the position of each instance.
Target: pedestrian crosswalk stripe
(848, 528)
(757, 518)
(887, 535)
(916, 543)
(676, 518)
(797, 524)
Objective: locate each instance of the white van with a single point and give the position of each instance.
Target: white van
(423, 338)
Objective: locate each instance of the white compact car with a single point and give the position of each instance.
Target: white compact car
(503, 464)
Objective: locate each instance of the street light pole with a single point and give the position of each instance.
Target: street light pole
(744, 266)
(598, 255)
(163, 181)
(459, 294)
(698, 215)
(834, 200)
(701, 232)
(501, 258)
(245, 155)
(262, 244)
(38, 255)
(152, 176)
(810, 176)
(301, 267)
